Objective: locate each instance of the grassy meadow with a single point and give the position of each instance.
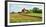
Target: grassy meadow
(30, 17)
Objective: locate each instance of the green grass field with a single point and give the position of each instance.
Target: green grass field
(30, 17)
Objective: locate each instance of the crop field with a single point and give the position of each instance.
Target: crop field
(30, 17)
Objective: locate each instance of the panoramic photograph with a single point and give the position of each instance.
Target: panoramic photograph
(25, 12)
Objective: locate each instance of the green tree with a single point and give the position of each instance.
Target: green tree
(35, 9)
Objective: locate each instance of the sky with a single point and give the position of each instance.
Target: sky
(17, 7)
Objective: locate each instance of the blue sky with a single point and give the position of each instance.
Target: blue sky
(19, 7)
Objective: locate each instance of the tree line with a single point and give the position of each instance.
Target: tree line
(34, 10)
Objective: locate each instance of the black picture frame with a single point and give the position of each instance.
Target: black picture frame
(23, 2)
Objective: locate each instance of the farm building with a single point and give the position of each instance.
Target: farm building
(24, 10)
